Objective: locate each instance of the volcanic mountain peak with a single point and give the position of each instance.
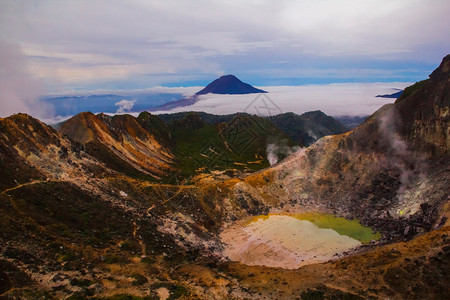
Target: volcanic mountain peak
(229, 84)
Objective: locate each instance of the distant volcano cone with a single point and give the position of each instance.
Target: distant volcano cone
(229, 84)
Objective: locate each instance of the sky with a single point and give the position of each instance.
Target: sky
(53, 46)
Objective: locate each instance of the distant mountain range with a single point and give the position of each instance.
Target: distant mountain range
(72, 105)
(351, 122)
(227, 84)
(393, 95)
(218, 97)
(307, 128)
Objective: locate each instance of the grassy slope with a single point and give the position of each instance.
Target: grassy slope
(239, 143)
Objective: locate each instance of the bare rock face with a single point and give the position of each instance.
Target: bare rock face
(122, 142)
(31, 150)
(425, 113)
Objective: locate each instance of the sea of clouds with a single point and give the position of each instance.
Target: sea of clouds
(348, 99)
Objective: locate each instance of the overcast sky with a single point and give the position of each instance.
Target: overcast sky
(111, 44)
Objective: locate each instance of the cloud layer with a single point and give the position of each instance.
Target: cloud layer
(140, 43)
(19, 91)
(352, 99)
(124, 106)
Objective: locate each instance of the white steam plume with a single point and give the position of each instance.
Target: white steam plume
(274, 151)
(19, 91)
(125, 106)
(400, 156)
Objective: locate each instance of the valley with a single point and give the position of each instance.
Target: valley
(144, 208)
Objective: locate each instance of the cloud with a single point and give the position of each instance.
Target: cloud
(185, 91)
(19, 91)
(124, 106)
(354, 99)
(409, 164)
(159, 42)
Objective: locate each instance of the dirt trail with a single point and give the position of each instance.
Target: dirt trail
(26, 184)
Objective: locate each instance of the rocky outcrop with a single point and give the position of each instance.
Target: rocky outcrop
(123, 142)
(33, 151)
(425, 112)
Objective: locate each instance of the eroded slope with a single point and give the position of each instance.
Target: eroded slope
(122, 142)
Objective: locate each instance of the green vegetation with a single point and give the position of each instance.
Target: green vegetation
(156, 126)
(306, 128)
(204, 142)
(240, 143)
(207, 118)
(412, 89)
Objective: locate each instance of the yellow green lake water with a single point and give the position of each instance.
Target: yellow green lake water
(292, 241)
(351, 228)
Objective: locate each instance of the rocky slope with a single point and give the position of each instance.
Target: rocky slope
(391, 172)
(424, 111)
(75, 221)
(31, 150)
(64, 214)
(183, 145)
(122, 142)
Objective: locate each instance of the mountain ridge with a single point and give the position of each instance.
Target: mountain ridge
(183, 135)
(122, 138)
